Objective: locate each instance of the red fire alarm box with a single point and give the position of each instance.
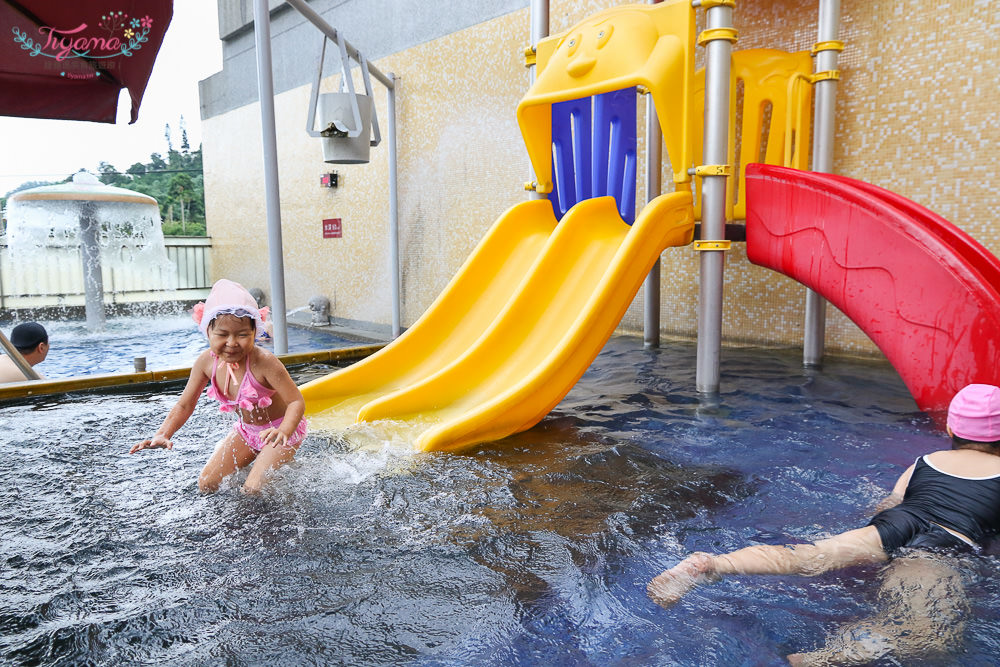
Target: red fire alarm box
(332, 228)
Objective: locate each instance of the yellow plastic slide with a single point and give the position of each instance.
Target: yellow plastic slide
(460, 314)
(487, 382)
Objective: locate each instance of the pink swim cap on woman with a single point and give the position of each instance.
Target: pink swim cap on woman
(974, 413)
(227, 298)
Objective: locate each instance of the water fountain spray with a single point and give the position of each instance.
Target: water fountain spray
(109, 225)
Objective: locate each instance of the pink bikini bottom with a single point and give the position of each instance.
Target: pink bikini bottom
(251, 433)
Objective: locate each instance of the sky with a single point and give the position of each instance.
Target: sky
(50, 150)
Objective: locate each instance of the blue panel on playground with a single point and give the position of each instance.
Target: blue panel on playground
(593, 151)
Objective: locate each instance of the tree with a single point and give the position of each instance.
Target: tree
(109, 175)
(185, 145)
(181, 189)
(28, 186)
(69, 179)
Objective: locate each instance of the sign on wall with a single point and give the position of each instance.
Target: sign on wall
(332, 228)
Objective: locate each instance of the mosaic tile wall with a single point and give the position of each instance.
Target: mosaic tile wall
(916, 107)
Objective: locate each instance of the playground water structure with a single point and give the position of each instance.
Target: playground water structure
(532, 306)
(111, 229)
(534, 550)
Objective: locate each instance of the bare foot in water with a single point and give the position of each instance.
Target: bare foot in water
(671, 585)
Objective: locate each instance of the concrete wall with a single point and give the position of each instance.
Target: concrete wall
(917, 113)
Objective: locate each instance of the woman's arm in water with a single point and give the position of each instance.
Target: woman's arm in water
(183, 409)
(898, 491)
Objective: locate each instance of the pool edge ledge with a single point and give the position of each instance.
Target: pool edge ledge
(28, 389)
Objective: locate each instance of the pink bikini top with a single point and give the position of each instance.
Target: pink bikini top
(252, 394)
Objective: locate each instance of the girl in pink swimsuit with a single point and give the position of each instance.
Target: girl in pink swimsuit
(246, 380)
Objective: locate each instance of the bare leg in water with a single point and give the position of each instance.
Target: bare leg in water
(923, 599)
(851, 548)
(922, 615)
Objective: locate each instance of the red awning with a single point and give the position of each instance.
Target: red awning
(70, 59)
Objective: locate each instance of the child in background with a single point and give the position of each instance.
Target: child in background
(32, 341)
(245, 379)
(947, 500)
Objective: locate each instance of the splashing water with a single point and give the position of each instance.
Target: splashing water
(116, 232)
(532, 550)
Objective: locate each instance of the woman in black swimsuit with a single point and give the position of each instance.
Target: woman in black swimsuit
(948, 499)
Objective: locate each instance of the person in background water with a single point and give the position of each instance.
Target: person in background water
(32, 341)
(944, 505)
(245, 379)
(267, 333)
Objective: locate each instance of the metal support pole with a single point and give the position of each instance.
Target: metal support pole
(718, 52)
(539, 19)
(389, 81)
(272, 202)
(393, 210)
(814, 335)
(539, 26)
(310, 15)
(651, 291)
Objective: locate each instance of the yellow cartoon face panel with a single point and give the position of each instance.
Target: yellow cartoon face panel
(604, 47)
(616, 49)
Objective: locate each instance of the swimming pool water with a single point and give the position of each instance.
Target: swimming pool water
(171, 341)
(534, 550)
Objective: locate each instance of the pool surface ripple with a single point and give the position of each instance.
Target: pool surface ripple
(532, 550)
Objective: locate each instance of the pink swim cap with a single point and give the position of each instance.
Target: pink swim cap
(227, 298)
(974, 413)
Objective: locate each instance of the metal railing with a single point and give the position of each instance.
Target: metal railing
(54, 278)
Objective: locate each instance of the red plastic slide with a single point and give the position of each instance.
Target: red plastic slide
(922, 289)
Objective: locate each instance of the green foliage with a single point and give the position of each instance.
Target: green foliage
(176, 182)
(108, 175)
(27, 186)
(188, 229)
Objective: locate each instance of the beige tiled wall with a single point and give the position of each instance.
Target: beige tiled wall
(917, 112)
(461, 163)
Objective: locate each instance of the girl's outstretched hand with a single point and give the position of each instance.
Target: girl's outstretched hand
(158, 441)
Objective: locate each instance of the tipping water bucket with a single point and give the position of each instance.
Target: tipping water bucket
(336, 118)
